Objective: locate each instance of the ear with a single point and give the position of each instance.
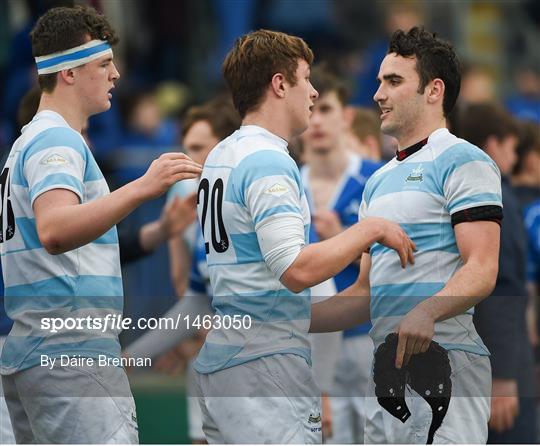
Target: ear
(67, 76)
(435, 90)
(278, 85)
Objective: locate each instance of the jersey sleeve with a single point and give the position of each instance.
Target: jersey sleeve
(55, 160)
(270, 188)
(470, 180)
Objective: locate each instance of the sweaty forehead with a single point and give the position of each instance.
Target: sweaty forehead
(395, 64)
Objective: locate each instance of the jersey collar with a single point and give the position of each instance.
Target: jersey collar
(252, 130)
(408, 151)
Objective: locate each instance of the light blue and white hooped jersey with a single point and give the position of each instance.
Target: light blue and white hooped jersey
(255, 220)
(421, 193)
(83, 282)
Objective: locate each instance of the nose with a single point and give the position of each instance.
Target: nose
(114, 74)
(314, 93)
(379, 94)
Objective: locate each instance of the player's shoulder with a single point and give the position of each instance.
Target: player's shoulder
(450, 151)
(46, 131)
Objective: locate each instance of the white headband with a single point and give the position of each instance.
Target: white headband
(74, 57)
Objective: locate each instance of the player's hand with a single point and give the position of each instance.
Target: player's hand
(327, 224)
(504, 404)
(326, 421)
(415, 332)
(178, 214)
(394, 237)
(168, 169)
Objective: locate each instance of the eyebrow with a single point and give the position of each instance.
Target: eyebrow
(390, 77)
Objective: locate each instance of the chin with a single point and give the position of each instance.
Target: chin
(388, 129)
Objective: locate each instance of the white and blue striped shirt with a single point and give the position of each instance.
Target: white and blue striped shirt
(83, 282)
(421, 193)
(255, 220)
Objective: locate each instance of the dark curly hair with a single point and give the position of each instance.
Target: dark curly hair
(435, 58)
(60, 29)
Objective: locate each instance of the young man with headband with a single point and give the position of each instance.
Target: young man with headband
(59, 246)
(255, 381)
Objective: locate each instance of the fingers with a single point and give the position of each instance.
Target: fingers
(400, 350)
(184, 176)
(186, 166)
(402, 252)
(174, 156)
(503, 412)
(424, 346)
(411, 247)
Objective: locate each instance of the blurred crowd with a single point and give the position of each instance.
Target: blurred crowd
(169, 59)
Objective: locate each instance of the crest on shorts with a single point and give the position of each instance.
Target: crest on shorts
(314, 418)
(54, 160)
(277, 190)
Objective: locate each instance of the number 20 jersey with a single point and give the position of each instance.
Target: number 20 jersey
(255, 220)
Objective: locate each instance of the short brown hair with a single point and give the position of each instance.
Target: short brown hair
(60, 29)
(325, 81)
(435, 58)
(220, 115)
(255, 58)
(366, 123)
(480, 121)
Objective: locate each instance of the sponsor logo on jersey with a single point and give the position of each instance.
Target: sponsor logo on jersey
(54, 160)
(277, 190)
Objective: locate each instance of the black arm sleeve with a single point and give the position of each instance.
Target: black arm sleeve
(487, 213)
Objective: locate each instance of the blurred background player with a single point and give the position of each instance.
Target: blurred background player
(364, 133)
(203, 127)
(526, 173)
(57, 211)
(501, 320)
(255, 220)
(334, 179)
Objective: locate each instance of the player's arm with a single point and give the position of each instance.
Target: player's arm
(478, 244)
(271, 188)
(346, 309)
(320, 261)
(180, 261)
(63, 223)
(175, 218)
